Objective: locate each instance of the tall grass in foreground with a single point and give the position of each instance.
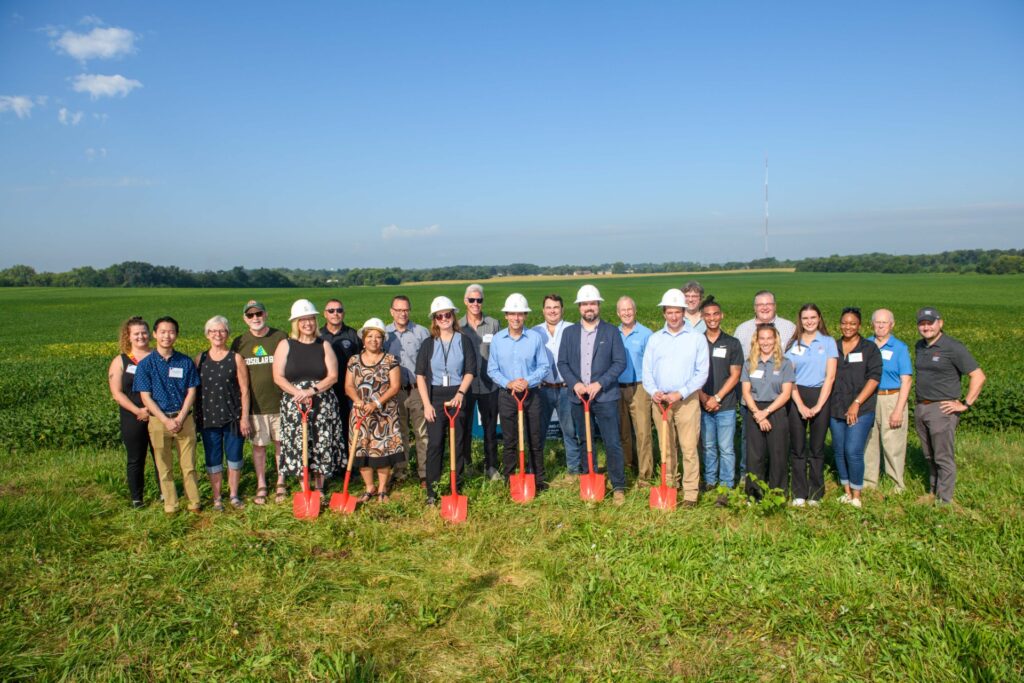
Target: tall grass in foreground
(556, 590)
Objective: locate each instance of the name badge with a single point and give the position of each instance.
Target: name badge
(936, 359)
(757, 374)
(176, 373)
(719, 352)
(130, 369)
(886, 354)
(798, 350)
(856, 357)
(487, 338)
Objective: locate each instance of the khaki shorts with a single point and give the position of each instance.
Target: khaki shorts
(265, 428)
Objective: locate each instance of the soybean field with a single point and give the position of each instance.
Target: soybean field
(555, 590)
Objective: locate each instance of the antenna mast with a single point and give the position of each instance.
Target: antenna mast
(766, 206)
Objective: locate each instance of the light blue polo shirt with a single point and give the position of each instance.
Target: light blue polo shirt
(635, 343)
(895, 363)
(810, 359)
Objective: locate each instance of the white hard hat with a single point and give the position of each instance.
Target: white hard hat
(588, 293)
(302, 308)
(372, 324)
(516, 303)
(673, 297)
(442, 303)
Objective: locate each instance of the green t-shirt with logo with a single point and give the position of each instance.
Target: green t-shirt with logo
(258, 353)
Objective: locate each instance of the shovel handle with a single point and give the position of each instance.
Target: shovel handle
(305, 407)
(665, 440)
(590, 441)
(451, 442)
(520, 401)
(354, 439)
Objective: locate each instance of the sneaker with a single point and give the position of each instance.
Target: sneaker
(138, 505)
(798, 502)
(619, 498)
(844, 498)
(926, 499)
(689, 504)
(814, 503)
(431, 501)
(493, 474)
(855, 502)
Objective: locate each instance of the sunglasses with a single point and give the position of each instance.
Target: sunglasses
(334, 310)
(444, 316)
(474, 300)
(254, 314)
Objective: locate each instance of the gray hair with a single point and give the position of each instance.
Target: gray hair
(626, 298)
(765, 292)
(474, 288)
(217, 320)
(693, 286)
(883, 312)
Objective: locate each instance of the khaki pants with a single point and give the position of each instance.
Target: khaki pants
(410, 408)
(888, 442)
(683, 431)
(635, 416)
(163, 451)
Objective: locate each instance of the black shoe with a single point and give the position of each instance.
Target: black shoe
(138, 505)
(543, 486)
(431, 501)
(710, 487)
(722, 501)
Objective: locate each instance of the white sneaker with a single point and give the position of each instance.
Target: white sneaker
(844, 498)
(798, 502)
(855, 502)
(814, 503)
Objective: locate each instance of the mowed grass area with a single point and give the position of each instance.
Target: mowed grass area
(557, 590)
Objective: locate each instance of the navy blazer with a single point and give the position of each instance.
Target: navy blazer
(608, 363)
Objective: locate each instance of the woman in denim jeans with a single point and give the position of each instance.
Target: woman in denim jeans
(222, 410)
(853, 403)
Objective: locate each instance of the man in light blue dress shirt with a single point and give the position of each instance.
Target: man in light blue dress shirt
(635, 404)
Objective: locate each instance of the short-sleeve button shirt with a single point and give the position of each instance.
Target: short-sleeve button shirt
(811, 360)
(166, 380)
(895, 363)
(766, 382)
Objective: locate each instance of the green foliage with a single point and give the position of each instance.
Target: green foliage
(773, 501)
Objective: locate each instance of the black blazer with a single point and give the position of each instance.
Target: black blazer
(608, 362)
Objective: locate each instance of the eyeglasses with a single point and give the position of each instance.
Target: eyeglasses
(254, 314)
(446, 315)
(399, 310)
(216, 332)
(474, 299)
(334, 310)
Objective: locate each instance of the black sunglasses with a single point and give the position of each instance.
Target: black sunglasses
(254, 314)
(474, 300)
(334, 310)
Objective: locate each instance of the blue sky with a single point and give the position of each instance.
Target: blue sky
(416, 134)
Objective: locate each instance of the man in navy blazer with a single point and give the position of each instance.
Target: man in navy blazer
(590, 360)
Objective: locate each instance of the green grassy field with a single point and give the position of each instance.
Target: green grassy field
(558, 590)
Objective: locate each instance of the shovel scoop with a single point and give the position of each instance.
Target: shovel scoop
(306, 503)
(345, 502)
(454, 506)
(522, 486)
(591, 484)
(663, 497)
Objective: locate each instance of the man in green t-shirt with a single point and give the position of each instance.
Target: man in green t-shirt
(256, 346)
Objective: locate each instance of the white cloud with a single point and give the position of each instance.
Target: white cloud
(390, 232)
(105, 86)
(102, 118)
(69, 118)
(19, 104)
(92, 153)
(99, 43)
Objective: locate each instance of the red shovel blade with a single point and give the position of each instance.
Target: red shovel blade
(523, 487)
(453, 508)
(306, 504)
(663, 497)
(344, 501)
(592, 486)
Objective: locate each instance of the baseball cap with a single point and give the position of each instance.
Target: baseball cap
(253, 304)
(928, 315)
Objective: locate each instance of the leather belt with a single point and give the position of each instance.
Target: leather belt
(928, 403)
(888, 392)
(553, 385)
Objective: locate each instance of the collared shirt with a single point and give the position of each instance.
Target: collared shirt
(513, 358)
(405, 346)
(725, 354)
(675, 362)
(699, 326)
(766, 383)
(746, 329)
(940, 368)
(166, 380)
(895, 362)
(481, 338)
(635, 343)
(811, 360)
(551, 343)
(587, 340)
(863, 363)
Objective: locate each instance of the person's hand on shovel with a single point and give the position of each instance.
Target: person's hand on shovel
(518, 386)
(666, 399)
(586, 390)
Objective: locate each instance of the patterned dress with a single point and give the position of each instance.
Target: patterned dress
(326, 443)
(379, 441)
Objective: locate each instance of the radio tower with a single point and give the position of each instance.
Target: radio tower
(766, 206)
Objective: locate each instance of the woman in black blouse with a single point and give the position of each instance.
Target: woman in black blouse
(853, 403)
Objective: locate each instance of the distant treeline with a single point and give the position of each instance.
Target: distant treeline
(140, 274)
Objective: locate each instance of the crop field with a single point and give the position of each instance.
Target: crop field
(556, 590)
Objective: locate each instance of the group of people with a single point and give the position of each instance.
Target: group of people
(370, 394)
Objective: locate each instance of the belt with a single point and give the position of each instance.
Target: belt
(553, 385)
(176, 413)
(888, 392)
(626, 385)
(928, 403)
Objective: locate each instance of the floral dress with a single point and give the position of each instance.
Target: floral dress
(326, 443)
(379, 440)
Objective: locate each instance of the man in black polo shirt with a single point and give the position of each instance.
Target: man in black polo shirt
(940, 363)
(718, 401)
(345, 342)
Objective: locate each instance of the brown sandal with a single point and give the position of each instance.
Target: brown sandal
(280, 493)
(367, 496)
(261, 496)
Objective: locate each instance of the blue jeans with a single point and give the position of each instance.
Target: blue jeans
(220, 440)
(552, 398)
(848, 443)
(606, 415)
(719, 431)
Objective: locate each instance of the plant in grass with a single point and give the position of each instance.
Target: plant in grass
(772, 500)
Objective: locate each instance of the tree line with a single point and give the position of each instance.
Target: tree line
(141, 274)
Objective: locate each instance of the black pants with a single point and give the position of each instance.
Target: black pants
(808, 458)
(766, 451)
(533, 436)
(487, 404)
(135, 436)
(437, 439)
